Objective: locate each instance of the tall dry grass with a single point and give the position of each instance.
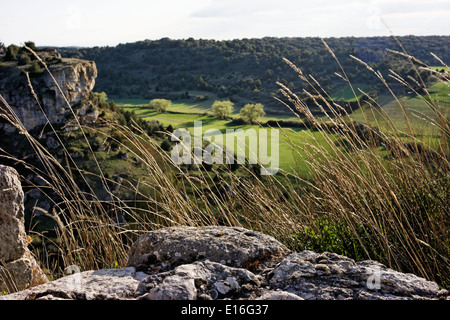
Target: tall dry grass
(393, 210)
(357, 202)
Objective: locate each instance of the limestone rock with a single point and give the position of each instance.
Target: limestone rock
(279, 295)
(75, 77)
(204, 280)
(12, 236)
(329, 276)
(170, 247)
(21, 274)
(18, 268)
(218, 263)
(114, 284)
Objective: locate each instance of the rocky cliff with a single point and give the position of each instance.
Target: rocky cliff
(75, 77)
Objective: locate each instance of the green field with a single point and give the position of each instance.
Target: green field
(184, 113)
(347, 94)
(440, 68)
(290, 159)
(440, 92)
(421, 111)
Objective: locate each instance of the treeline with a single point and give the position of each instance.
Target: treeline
(248, 69)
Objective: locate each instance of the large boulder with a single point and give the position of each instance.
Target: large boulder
(329, 276)
(168, 248)
(18, 268)
(204, 280)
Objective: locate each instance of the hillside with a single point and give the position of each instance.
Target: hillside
(248, 69)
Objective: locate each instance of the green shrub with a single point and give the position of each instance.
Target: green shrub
(250, 113)
(222, 109)
(160, 105)
(11, 53)
(36, 69)
(24, 60)
(165, 145)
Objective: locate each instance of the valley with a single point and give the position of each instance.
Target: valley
(362, 173)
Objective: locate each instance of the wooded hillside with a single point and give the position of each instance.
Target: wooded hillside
(248, 69)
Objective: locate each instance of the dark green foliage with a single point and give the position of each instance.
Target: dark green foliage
(11, 53)
(24, 60)
(248, 68)
(36, 69)
(165, 145)
(330, 236)
(169, 128)
(31, 45)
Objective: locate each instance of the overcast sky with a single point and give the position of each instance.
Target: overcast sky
(109, 22)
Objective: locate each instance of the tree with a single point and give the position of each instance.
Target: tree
(222, 109)
(11, 53)
(170, 128)
(165, 145)
(160, 105)
(24, 60)
(102, 97)
(202, 84)
(250, 113)
(31, 45)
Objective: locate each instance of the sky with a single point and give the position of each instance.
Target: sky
(109, 22)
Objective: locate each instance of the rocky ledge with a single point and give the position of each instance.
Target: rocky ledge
(75, 78)
(208, 263)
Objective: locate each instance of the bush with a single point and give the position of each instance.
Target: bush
(160, 105)
(24, 60)
(36, 69)
(165, 145)
(222, 109)
(11, 53)
(250, 113)
(31, 45)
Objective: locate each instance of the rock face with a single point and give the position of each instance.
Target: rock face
(114, 284)
(168, 248)
(75, 77)
(18, 268)
(233, 263)
(329, 276)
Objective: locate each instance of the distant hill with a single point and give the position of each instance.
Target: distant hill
(248, 69)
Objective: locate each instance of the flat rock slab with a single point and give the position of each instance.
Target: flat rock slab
(165, 249)
(106, 284)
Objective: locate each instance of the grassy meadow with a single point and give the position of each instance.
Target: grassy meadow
(184, 115)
